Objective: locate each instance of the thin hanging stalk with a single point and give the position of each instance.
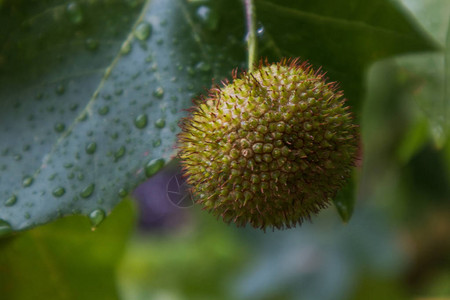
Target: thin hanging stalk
(252, 42)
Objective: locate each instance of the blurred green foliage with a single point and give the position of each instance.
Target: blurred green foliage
(65, 259)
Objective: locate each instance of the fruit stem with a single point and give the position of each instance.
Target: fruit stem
(252, 42)
(447, 82)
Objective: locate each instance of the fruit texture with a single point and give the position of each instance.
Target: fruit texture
(271, 148)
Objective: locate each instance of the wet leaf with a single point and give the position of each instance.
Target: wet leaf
(92, 93)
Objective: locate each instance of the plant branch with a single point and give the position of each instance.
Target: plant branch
(252, 42)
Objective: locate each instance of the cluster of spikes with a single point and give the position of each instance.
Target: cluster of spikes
(271, 148)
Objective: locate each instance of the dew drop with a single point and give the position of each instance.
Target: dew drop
(5, 228)
(68, 165)
(104, 110)
(119, 153)
(157, 143)
(260, 31)
(91, 148)
(126, 48)
(59, 127)
(59, 192)
(149, 58)
(190, 71)
(87, 191)
(208, 17)
(107, 73)
(96, 217)
(154, 166)
(159, 92)
(115, 135)
(143, 31)
(122, 193)
(83, 117)
(160, 123)
(141, 121)
(11, 200)
(91, 44)
(202, 66)
(60, 89)
(74, 12)
(27, 181)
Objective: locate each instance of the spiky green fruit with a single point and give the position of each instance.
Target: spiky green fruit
(271, 148)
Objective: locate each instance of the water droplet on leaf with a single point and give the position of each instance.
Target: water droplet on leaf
(27, 181)
(157, 143)
(60, 89)
(260, 31)
(160, 123)
(96, 217)
(91, 148)
(91, 44)
(154, 166)
(5, 228)
(104, 110)
(126, 48)
(208, 17)
(11, 200)
(143, 31)
(68, 165)
(159, 92)
(119, 153)
(202, 66)
(59, 127)
(141, 121)
(59, 192)
(122, 193)
(87, 191)
(74, 12)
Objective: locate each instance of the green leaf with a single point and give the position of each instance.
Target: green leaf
(65, 259)
(414, 140)
(91, 93)
(427, 72)
(345, 200)
(344, 36)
